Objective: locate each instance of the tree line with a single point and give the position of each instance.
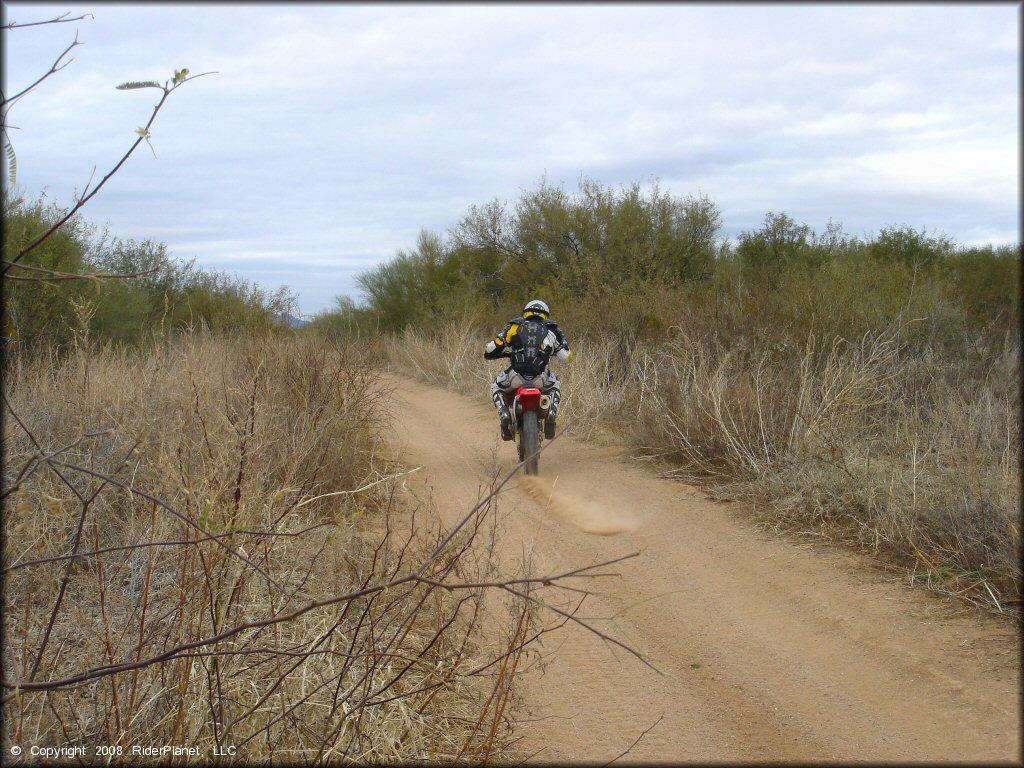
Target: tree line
(631, 259)
(137, 289)
(642, 259)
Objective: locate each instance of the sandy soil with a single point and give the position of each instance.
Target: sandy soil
(767, 649)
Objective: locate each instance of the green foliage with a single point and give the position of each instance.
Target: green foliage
(180, 76)
(137, 84)
(416, 286)
(596, 242)
(214, 300)
(344, 321)
(127, 309)
(907, 245)
(630, 264)
(149, 293)
(37, 312)
(778, 244)
(782, 245)
(987, 282)
(160, 293)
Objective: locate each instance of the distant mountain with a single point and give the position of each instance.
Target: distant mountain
(291, 321)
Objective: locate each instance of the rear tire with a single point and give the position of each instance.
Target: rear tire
(530, 443)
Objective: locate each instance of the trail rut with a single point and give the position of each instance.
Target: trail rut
(768, 650)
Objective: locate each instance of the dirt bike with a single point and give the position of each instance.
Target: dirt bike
(529, 407)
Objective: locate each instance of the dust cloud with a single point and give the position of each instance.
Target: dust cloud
(586, 515)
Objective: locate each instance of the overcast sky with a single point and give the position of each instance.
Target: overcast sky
(333, 133)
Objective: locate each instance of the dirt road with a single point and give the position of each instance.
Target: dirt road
(768, 650)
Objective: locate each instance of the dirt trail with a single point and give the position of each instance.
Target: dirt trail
(768, 650)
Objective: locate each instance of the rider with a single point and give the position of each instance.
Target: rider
(529, 340)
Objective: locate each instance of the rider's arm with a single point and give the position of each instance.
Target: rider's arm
(498, 346)
(562, 351)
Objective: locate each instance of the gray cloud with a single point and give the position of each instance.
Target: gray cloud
(333, 133)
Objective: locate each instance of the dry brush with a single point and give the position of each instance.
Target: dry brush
(205, 545)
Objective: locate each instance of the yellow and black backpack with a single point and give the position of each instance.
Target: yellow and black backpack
(530, 351)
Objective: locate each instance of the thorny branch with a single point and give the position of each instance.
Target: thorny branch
(164, 505)
(147, 544)
(53, 275)
(637, 741)
(57, 20)
(434, 573)
(57, 66)
(179, 651)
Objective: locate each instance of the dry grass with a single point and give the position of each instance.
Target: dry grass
(902, 454)
(448, 356)
(201, 549)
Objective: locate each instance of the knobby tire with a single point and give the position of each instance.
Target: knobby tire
(530, 443)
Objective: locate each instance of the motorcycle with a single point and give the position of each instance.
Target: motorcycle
(530, 410)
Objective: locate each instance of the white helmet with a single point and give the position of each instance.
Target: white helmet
(538, 308)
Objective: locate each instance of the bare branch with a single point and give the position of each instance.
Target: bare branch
(172, 653)
(157, 544)
(355, 490)
(37, 461)
(637, 741)
(53, 275)
(58, 20)
(57, 66)
(164, 505)
(583, 624)
(468, 516)
(85, 198)
(67, 571)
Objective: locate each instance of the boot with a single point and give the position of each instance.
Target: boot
(550, 422)
(507, 431)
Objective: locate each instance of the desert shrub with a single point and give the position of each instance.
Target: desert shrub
(902, 243)
(901, 454)
(198, 537)
(158, 294)
(986, 282)
(41, 313)
(597, 242)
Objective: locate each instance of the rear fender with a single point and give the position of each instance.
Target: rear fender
(527, 399)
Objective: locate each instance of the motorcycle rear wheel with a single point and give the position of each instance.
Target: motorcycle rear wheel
(530, 443)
